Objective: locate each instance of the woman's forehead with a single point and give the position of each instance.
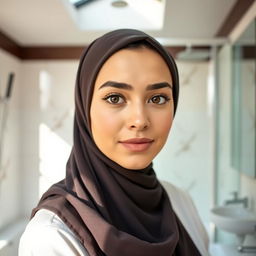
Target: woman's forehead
(142, 66)
(130, 59)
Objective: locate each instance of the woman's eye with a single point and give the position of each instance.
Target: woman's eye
(159, 99)
(114, 99)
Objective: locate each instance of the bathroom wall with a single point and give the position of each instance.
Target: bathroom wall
(37, 138)
(10, 167)
(248, 188)
(47, 120)
(11, 224)
(185, 160)
(247, 183)
(229, 178)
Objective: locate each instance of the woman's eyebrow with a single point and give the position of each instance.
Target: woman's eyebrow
(158, 86)
(129, 87)
(116, 85)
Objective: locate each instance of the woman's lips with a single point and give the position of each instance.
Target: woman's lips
(137, 144)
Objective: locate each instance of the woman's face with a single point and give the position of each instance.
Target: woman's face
(132, 107)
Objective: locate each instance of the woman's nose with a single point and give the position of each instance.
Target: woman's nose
(138, 118)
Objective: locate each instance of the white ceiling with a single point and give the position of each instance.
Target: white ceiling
(53, 22)
(101, 15)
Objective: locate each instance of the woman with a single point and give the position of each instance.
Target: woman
(110, 202)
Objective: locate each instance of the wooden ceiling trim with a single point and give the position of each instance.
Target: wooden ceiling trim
(9, 45)
(236, 13)
(57, 52)
(52, 52)
(39, 52)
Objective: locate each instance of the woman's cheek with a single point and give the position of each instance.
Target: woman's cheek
(165, 121)
(106, 121)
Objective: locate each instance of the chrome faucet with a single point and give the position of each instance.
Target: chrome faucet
(237, 200)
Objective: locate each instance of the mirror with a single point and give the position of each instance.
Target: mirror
(243, 127)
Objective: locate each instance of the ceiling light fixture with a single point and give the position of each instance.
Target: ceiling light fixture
(119, 3)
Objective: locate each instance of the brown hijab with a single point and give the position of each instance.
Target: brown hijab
(114, 211)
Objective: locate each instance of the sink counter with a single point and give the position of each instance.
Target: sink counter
(227, 250)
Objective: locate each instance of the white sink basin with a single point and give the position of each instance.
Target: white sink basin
(236, 220)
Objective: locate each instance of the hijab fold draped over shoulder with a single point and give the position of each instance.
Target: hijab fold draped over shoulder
(112, 210)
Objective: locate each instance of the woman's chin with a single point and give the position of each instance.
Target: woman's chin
(134, 161)
(135, 165)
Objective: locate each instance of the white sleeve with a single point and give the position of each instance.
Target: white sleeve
(50, 240)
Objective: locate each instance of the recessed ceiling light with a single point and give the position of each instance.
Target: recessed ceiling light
(119, 3)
